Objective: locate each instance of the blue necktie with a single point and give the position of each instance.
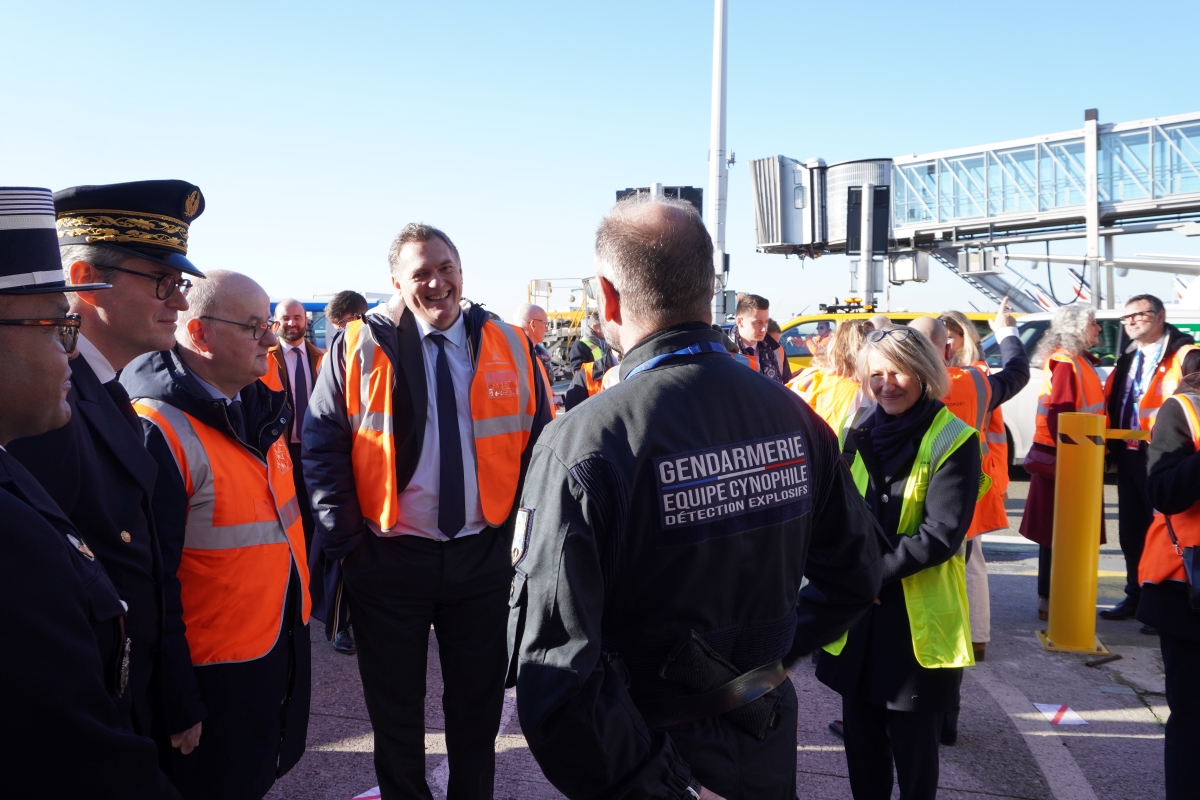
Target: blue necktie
(452, 502)
(299, 394)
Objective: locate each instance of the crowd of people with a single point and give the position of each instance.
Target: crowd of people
(186, 480)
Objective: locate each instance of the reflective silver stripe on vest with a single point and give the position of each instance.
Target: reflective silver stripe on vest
(1194, 399)
(200, 533)
(982, 398)
(1089, 408)
(364, 354)
(944, 441)
(521, 421)
(996, 438)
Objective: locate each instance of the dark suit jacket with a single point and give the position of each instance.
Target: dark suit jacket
(62, 731)
(327, 438)
(314, 355)
(97, 470)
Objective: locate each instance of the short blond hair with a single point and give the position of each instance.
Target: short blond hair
(914, 356)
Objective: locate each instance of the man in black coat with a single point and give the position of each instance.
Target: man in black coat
(96, 467)
(65, 669)
(661, 542)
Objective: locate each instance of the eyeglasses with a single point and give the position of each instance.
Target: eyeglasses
(164, 285)
(68, 328)
(1135, 316)
(257, 330)
(900, 334)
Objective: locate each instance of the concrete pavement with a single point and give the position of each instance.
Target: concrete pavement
(1006, 748)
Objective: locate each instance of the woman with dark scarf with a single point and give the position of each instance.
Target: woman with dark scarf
(899, 668)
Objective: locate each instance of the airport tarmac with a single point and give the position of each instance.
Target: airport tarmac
(1007, 747)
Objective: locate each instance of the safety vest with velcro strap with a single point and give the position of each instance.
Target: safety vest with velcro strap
(833, 397)
(1164, 380)
(968, 399)
(242, 537)
(503, 407)
(936, 597)
(1160, 560)
(1089, 393)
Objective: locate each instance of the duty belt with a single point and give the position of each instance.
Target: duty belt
(741, 691)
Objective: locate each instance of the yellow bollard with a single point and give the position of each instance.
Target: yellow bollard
(1078, 510)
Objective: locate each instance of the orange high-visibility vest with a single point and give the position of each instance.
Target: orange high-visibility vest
(594, 385)
(1160, 560)
(1088, 392)
(503, 407)
(549, 389)
(830, 395)
(242, 537)
(816, 344)
(1163, 383)
(995, 461)
(968, 399)
(274, 377)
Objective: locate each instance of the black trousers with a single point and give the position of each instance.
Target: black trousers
(1043, 576)
(731, 762)
(302, 496)
(399, 586)
(877, 738)
(1134, 515)
(1181, 661)
(257, 723)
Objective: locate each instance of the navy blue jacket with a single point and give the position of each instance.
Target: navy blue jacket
(97, 470)
(62, 733)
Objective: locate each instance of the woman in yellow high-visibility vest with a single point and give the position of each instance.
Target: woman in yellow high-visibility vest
(1069, 383)
(899, 668)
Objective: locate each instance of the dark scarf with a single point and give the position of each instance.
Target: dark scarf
(890, 434)
(768, 361)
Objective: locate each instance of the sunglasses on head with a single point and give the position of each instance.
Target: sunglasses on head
(900, 334)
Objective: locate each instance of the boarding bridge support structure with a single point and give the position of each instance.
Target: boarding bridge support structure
(965, 208)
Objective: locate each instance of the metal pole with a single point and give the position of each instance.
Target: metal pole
(866, 259)
(1078, 512)
(1091, 151)
(718, 175)
(1111, 295)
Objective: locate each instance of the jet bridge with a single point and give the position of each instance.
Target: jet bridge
(965, 207)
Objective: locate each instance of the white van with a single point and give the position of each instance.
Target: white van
(1019, 412)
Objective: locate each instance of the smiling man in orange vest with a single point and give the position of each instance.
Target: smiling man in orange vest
(230, 527)
(418, 436)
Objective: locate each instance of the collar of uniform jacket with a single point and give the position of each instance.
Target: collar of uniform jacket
(163, 376)
(668, 340)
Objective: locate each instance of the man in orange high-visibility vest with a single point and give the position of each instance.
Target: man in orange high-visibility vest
(232, 538)
(418, 435)
(532, 319)
(1146, 374)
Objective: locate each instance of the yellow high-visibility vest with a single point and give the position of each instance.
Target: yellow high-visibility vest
(936, 596)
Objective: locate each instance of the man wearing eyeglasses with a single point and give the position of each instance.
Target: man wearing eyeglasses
(232, 537)
(65, 675)
(134, 237)
(1146, 374)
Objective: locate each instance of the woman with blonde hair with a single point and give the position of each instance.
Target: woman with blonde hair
(1069, 383)
(899, 668)
(830, 384)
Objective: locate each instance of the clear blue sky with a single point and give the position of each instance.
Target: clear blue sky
(316, 130)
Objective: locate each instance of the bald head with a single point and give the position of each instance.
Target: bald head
(656, 253)
(293, 320)
(531, 319)
(880, 321)
(935, 331)
(210, 297)
(222, 339)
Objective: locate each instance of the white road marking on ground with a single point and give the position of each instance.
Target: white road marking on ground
(1058, 766)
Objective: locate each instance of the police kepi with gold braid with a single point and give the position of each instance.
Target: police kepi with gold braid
(147, 219)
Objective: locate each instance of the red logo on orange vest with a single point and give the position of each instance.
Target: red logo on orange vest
(501, 383)
(283, 461)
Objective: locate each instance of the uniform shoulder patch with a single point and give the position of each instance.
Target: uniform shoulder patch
(521, 531)
(732, 488)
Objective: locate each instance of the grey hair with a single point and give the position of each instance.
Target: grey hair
(662, 268)
(417, 232)
(914, 356)
(204, 300)
(521, 315)
(1068, 330)
(972, 346)
(97, 255)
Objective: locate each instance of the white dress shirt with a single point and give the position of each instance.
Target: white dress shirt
(290, 361)
(419, 500)
(95, 359)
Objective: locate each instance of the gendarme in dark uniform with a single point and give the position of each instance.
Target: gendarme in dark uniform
(665, 528)
(96, 467)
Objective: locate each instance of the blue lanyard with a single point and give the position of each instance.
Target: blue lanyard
(1152, 365)
(691, 350)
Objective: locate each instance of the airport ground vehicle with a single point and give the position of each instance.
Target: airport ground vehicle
(1020, 412)
(803, 334)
